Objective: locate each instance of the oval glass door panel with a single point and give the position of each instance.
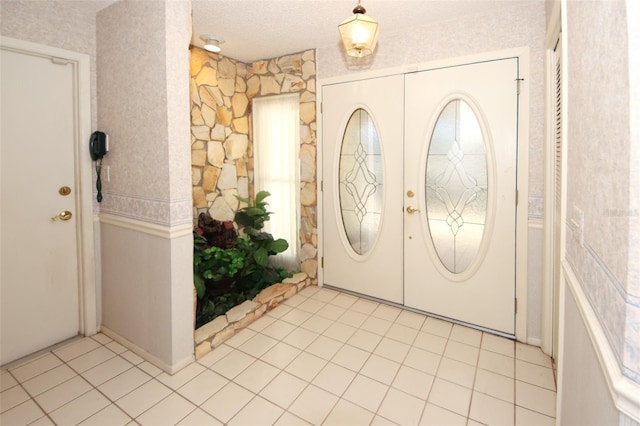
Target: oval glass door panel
(360, 182)
(456, 186)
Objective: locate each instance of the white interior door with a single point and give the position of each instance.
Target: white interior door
(39, 292)
(460, 199)
(362, 186)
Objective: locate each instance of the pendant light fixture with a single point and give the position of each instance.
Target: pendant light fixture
(212, 43)
(359, 33)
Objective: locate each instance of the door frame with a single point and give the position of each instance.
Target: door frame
(522, 214)
(88, 318)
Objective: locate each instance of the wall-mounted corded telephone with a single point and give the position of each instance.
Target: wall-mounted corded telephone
(98, 148)
(99, 145)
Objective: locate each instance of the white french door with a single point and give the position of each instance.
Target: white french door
(461, 139)
(362, 186)
(419, 200)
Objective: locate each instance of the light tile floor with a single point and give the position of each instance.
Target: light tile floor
(322, 357)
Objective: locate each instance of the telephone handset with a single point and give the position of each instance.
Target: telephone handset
(99, 145)
(98, 148)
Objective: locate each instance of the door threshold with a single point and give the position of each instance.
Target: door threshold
(40, 352)
(418, 311)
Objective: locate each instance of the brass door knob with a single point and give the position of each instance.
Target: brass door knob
(63, 215)
(411, 210)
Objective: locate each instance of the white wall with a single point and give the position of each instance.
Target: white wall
(602, 127)
(515, 25)
(147, 245)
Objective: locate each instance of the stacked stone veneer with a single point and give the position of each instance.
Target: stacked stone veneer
(214, 333)
(221, 134)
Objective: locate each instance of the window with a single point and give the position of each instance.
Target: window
(276, 141)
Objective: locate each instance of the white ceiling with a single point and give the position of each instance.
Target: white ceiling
(263, 29)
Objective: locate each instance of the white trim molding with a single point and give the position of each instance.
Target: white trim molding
(625, 394)
(162, 231)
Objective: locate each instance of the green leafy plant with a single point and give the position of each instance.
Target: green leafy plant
(226, 276)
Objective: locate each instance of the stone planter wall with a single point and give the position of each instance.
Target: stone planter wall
(216, 332)
(221, 134)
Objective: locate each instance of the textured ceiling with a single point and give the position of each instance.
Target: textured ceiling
(263, 29)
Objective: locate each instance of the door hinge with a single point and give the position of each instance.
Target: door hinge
(517, 196)
(322, 262)
(518, 81)
(321, 186)
(321, 108)
(515, 305)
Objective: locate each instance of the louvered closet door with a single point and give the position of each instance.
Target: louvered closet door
(557, 199)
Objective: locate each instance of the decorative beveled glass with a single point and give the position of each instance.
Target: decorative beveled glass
(360, 182)
(456, 186)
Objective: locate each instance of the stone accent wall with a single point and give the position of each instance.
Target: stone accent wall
(221, 134)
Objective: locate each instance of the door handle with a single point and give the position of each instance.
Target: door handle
(411, 210)
(63, 215)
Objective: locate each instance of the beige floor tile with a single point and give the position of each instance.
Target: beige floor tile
(306, 366)
(437, 327)
(22, 414)
(334, 378)
(7, 381)
(142, 398)
(532, 354)
(311, 305)
(240, 337)
(111, 415)
(106, 370)
(199, 417)
(317, 324)
(498, 344)
(261, 323)
(344, 300)
(466, 335)
(352, 318)
(313, 405)
(456, 372)
(35, 367)
(300, 338)
(413, 382)
(422, 360)
(366, 392)
(411, 319)
(402, 333)
(178, 379)
(331, 312)
(288, 419)
(62, 394)
(497, 363)
(324, 347)
(340, 332)
(234, 363)
(496, 385)
(324, 295)
(124, 383)
(258, 345)
(257, 376)
(364, 340)
(227, 402)
(12, 397)
(536, 398)
(79, 409)
(526, 417)
(386, 312)
(376, 325)
(364, 306)
(280, 355)
(284, 389)
(450, 396)
(215, 355)
(392, 349)
(296, 316)
(102, 339)
(202, 387)
(535, 374)
(90, 359)
(437, 416)
(491, 411)
(430, 342)
(278, 329)
(77, 348)
(351, 357)
(401, 407)
(381, 421)
(169, 411)
(309, 291)
(462, 352)
(347, 414)
(257, 412)
(380, 369)
(149, 368)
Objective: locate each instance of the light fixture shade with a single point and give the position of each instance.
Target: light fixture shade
(359, 33)
(212, 43)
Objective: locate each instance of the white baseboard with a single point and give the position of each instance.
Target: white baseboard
(169, 369)
(624, 393)
(162, 231)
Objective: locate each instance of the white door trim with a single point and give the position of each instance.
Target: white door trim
(83, 175)
(523, 157)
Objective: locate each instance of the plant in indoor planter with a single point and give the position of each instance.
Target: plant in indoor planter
(237, 267)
